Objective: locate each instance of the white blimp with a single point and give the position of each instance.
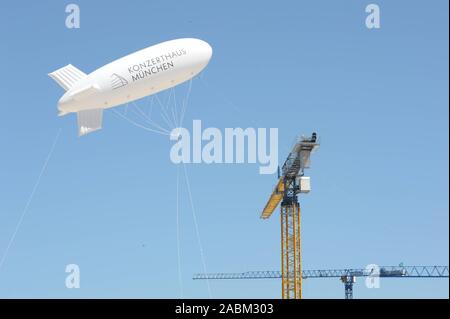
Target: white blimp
(132, 77)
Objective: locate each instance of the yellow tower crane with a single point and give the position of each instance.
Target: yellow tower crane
(291, 183)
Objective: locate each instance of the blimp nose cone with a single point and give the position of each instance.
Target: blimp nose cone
(203, 50)
(208, 50)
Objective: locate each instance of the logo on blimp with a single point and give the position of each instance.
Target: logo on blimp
(117, 81)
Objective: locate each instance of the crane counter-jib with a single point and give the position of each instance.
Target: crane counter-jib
(274, 200)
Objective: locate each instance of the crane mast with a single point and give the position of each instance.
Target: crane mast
(291, 263)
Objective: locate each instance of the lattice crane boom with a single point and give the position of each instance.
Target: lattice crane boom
(384, 271)
(346, 275)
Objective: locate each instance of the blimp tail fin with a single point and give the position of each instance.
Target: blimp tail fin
(67, 76)
(89, 121)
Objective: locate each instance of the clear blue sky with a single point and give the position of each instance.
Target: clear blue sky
(107, 202)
